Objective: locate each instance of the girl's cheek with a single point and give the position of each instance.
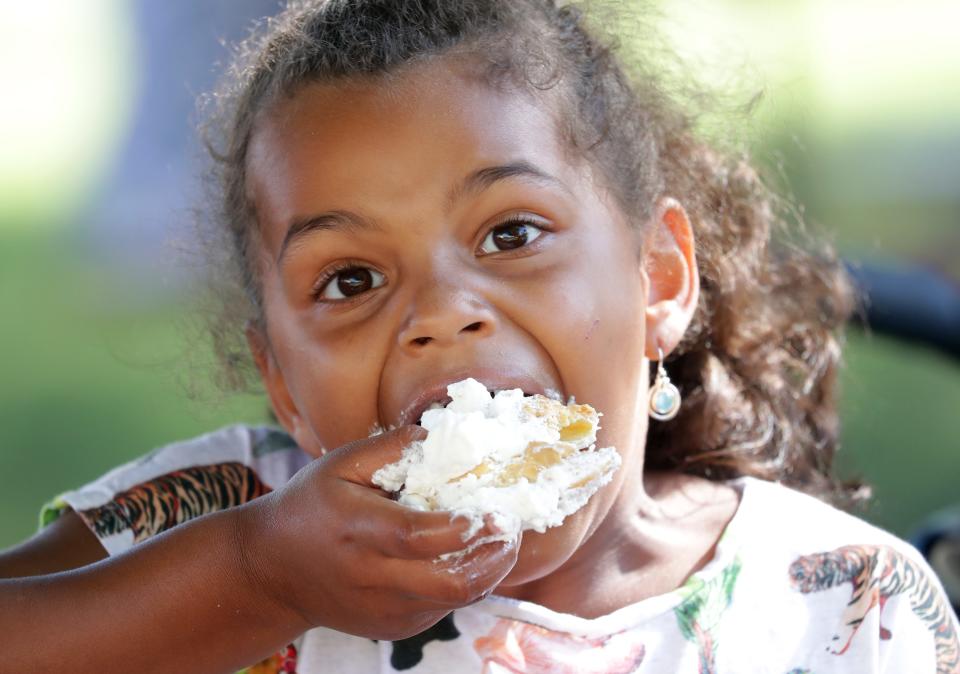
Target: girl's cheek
(340, 374)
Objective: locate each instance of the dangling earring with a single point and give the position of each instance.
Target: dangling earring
(664, 396)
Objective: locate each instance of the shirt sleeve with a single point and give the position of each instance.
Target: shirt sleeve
(836, 594)
(178, 482)
(914, 618)
(880, 607)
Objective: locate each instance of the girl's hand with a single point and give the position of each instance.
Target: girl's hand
(336, 550)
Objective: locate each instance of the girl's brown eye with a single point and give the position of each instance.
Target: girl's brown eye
(350, 282)
(510, 236)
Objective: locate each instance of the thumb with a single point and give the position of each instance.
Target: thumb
(357, 461)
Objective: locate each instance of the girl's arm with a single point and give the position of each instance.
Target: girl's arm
(180, 602)
(66, 543)
(226, 590)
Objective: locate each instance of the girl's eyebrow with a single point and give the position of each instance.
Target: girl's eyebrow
(482, 179)
(475, 182)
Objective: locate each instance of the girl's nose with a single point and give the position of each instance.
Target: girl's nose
(445, 319)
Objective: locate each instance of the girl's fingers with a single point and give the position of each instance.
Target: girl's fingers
(457, 581)
(357, 461)
(399, 532)
(383, 525)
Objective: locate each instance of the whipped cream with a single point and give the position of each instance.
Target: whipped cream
(475, 441)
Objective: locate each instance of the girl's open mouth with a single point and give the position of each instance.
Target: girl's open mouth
(436, 395)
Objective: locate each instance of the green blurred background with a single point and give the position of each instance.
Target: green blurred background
(861, 108)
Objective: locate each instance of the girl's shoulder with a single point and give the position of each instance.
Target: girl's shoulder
(854, 588)
(773, 516)
(179, 481)
(810, 543)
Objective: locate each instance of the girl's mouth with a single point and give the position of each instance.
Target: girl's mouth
(435, 405)
(435, 395)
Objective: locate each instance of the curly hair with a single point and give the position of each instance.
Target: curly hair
(757, 366)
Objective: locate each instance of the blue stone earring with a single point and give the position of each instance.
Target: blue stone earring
(664, 396)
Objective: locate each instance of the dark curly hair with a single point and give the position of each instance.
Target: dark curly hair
(758, 365)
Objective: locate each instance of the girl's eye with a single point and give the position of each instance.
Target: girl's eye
(349, 282)
(509, 236)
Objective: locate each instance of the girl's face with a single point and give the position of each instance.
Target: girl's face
(428, 229)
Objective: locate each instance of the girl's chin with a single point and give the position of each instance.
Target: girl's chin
(540, 555)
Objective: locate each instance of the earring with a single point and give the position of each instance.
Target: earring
(664, 396)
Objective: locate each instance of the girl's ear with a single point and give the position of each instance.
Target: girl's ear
(673, 283)
(273, 381)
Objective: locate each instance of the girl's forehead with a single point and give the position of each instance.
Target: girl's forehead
(385, 143)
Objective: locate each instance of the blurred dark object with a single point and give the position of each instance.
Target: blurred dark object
(939, 542)
(915, 304)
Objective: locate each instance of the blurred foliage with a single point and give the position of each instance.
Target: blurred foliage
(856, 114)
(87, 383)
(899, 412)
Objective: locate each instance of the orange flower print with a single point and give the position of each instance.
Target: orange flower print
(522, 648)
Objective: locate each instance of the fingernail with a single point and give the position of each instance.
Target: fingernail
(484, 595)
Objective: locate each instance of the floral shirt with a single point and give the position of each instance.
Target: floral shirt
(795, 586)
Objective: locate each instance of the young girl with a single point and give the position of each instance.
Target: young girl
(420, 191)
